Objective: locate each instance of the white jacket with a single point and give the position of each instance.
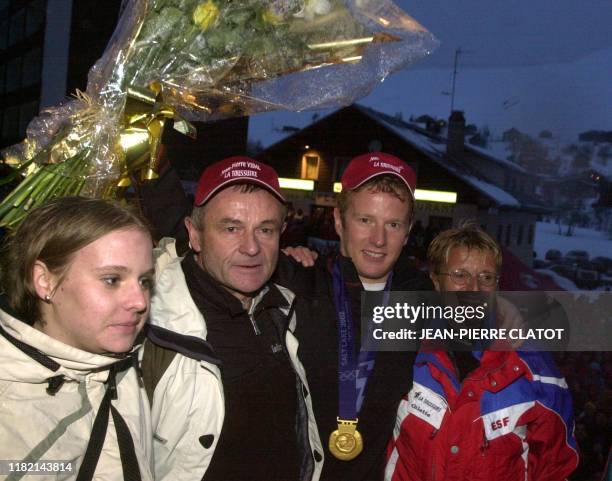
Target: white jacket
(188, 400)
(37, 426)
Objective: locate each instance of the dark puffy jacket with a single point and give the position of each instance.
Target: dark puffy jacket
(317, 333)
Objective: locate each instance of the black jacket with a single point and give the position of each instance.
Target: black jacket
(317, 334)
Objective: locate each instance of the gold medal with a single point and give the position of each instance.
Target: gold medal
(345, 443)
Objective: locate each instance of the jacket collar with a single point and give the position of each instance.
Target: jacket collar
(404, 276)
(73, 363)
(350, 276)
(503, 367)
(201, 283)
(271, 297)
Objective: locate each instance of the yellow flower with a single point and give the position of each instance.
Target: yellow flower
(270, 17)
(205, 14)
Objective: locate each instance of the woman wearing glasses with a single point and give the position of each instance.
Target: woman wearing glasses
(76, 285)
(481, 415)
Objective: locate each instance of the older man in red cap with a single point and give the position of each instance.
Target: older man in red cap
(355, 394)
(229, 393)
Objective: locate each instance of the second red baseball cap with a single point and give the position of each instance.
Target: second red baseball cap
(367, 166)
(236, 170)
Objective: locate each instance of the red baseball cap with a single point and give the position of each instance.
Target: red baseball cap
(236, 170)
(367, 166)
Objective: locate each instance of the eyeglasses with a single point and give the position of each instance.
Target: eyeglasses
(463, 278)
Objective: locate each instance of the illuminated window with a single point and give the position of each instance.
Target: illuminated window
(310, 167)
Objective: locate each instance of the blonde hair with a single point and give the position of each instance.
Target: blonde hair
(52, 234)
(386, 183)
(468, 235)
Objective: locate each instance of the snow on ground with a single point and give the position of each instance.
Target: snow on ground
(596, 243)
(561, 281)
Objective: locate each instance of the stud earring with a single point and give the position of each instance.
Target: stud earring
(48, 299)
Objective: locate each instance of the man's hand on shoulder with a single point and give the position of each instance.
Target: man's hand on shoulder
(301, 254)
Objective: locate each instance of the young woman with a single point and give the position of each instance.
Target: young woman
(77, 282)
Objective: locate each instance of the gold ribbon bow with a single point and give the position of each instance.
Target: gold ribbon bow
(140, 139)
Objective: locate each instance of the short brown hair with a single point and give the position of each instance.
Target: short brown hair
(197, 214)
(53, 233)
(386, 183)
(468, 235)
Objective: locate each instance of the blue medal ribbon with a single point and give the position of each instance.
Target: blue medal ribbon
(349, 402)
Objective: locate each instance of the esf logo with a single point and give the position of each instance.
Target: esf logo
(500, 423)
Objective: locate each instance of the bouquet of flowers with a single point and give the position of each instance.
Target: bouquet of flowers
(183, 60)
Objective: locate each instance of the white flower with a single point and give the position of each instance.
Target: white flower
(313, 8)
(321, 7)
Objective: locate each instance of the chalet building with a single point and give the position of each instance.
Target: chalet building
(496, 193)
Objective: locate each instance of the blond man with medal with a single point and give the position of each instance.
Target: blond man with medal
(355, 394)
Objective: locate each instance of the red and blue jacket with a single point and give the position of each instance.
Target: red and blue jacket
(510, 419)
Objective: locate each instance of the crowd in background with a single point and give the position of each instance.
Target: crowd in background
(589, 377)
(316, 230)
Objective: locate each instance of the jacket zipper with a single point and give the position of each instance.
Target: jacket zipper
(484, 445)
(252, 318)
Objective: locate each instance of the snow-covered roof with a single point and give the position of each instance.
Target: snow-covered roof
(415, 134)
(436, 147)
(272, 131)
(499, 195)
(407, 131)
(496, 157)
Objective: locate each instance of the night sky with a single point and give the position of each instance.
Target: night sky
(533, 65)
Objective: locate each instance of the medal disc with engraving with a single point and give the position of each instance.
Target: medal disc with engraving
(346, 443)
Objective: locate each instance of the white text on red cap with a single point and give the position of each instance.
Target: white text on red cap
(229, 172)
(385, 165)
